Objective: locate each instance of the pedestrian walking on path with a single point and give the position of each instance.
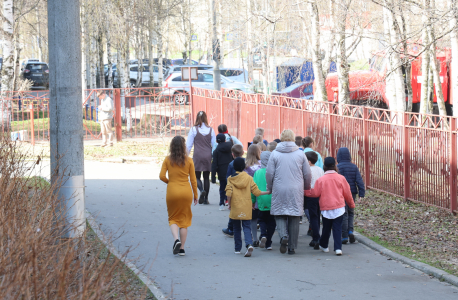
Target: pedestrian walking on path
(203, 138)
(105, 117)
(309, 143)
(252, 164)
(351, 173)
(238, 190)
(266, 220)
(222, 128)
(334, 192)
(222, 157)
(180, 169)
(287, 175)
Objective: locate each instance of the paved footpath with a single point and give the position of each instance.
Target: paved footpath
(130, 199)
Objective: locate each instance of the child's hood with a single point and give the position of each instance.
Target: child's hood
(343, 155)
(241, 180)
(286, 147)
(224, 147)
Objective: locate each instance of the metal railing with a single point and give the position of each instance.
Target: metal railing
(405, 154)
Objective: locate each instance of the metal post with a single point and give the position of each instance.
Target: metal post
(118, 117)
(32, 125)
(367, 173)
(190, 85)
(216, 52)
(453, 166)
(65, 110)
(406, 155)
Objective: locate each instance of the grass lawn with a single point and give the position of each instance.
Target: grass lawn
(417, 231)
(42, 125)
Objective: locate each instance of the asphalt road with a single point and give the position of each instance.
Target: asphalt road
(128, 200)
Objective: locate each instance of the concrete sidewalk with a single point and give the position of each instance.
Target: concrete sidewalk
(130, 199)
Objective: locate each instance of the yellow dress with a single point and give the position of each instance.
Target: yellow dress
(179, 195)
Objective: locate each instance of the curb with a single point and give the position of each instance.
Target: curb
(143, 277)
(427, 269)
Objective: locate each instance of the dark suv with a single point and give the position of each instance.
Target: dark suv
(38, 74)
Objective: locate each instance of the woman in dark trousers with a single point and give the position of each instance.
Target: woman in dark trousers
(202, 137)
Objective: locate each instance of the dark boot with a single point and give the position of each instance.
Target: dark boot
(206, 200)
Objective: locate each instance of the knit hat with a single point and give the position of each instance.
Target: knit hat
(220, 138)
(239, 164)
(265, 155)
(329, 162)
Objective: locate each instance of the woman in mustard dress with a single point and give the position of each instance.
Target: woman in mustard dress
(179, 194)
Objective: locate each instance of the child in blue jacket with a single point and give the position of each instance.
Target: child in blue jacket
(351, 172)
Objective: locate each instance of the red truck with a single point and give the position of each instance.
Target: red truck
(369, 87)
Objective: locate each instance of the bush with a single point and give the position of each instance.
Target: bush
(35, 262)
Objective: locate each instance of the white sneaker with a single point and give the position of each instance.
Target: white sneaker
(325, 250)
(338, 252)
(222, 207)
(237, 252)
(249, 251)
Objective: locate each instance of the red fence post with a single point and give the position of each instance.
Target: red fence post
(453, 171)
(32, 124)
(118, 120)
(367, 173)
(406, 150)
(331, 130)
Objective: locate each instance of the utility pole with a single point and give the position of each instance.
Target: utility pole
(65, 110)
(216, 52)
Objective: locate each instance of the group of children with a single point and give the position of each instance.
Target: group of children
(243, 183)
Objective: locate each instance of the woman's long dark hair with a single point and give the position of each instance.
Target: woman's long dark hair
(178, 152)
(222, 128)
(201, 118)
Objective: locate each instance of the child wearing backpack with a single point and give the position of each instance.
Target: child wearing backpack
(238, 191)
(222, 157)
(266, 220)
(351, 173)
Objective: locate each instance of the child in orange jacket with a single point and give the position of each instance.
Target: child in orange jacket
(334, 191)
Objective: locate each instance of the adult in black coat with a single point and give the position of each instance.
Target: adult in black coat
(222, 157)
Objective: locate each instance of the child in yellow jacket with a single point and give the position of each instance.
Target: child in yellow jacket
(238, 191)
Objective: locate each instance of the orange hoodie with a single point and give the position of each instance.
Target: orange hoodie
(333, 190)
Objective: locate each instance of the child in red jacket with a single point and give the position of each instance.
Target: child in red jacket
(334, 191)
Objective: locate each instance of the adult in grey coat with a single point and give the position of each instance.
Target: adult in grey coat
(288, 175)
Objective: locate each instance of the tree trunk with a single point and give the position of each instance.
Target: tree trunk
(320, 92)
(390, 85)
(150, 53)
(17, 64)
(342, 63)
(396, 61)
(249, 42)
(425, 65)
(159, 52)
(406, 62)
(93, 57)
(40, 50)
(454, 64)
(109, 59)
(101, 64)
(328, 58)
(8, 46)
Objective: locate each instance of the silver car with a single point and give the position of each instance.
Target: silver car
(178, 90)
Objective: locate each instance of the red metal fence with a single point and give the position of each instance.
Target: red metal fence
(405, 154)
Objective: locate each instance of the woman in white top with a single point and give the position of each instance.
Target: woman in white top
(202, 137)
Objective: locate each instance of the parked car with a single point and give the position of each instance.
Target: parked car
(236, 74)
(179, 62)
(134, 73)
(298, 90)
(38, 74)
(174, 69)
(165, 61)
(178, 89)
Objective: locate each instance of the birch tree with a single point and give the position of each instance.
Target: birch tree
(8, 46)
(453, 6)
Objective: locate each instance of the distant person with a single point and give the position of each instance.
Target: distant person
(257, 139)
(222, 128)
(105, 116)
(309, 144)
(271, 147)
(287, 176)
(260, 131)
(237, 151)
(262, 146)
(299, 142)
(351, 173)
(266, 220)
(180, 169)
(202, 137)
(313, 204)
(253, 163)
(333, 191)
(222, 157)
(238, 190)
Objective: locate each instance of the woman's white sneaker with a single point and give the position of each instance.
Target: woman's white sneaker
(222, 207)
(325, 250)
(338, 252)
